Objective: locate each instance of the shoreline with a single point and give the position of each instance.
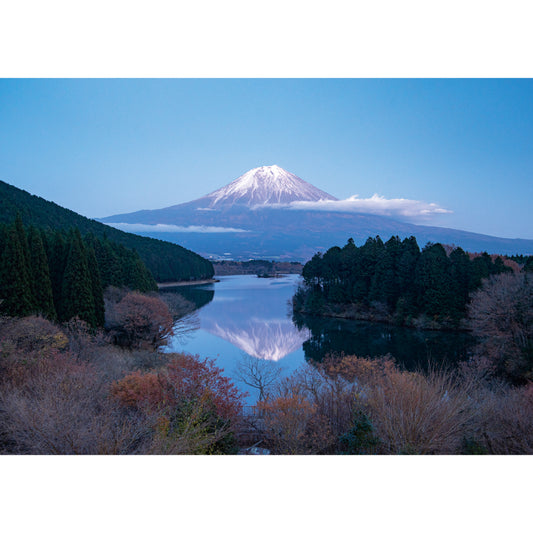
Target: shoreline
(430, 326)
(168, 284)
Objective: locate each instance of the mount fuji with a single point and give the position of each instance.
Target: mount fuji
(270, 213)
(264, 186)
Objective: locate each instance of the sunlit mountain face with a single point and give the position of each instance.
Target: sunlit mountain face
(271, 213)
(270, 340)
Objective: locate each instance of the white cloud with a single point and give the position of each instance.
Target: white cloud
(171, 228)
(376, 205)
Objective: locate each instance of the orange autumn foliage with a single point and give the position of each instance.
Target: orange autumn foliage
(294, 425)
(139, 388)
(184, 379)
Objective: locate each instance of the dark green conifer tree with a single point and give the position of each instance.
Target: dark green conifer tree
(406, 305)
(312, 270)
(498, 266)
(3, 237)
(369, 255)
(481, 268)
(96, 285)
(40, 276)
(57, 260)
(15, 289)
(461, 274)
(120, 266)
(355, 279)
(433, 282)
(384, 287)
(111, 269)
(331, 262)
(77, 294)
(136, 275)
(23, 237)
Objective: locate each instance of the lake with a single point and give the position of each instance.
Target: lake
(243, 317)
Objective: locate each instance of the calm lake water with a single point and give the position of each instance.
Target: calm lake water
(244, 317)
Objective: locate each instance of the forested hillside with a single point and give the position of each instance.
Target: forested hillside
(394, 282)
(61, 275)
(166, 261)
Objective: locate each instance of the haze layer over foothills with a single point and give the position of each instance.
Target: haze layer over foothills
(375, 235)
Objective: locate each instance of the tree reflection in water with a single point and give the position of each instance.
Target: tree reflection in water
(184, 303)
(411, 348)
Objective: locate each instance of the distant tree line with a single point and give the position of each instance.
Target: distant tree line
(394, 281)
(526, 261)
(166, 261)
(260, 267)
(61, 275)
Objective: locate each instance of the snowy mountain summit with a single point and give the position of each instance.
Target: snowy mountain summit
(264, 186)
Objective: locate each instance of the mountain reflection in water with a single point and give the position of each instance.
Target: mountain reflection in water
(246, 316)
(250, 313)
(271, 340)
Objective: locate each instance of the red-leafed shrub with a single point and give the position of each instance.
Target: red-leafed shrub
(140, 389)
(184, 379)
(191, 377)
(197, 408)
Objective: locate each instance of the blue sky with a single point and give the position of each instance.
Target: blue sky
(102, 147)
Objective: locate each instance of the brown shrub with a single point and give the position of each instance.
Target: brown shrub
(422, 414)
(138, 320)
(25, 343)
(55, 396)
(28, 334)
(309, 411)
(83, 340)
(408, 412)
(293, 425)
(501, 315)
(64, 408)
(332, 388)
(503, 421)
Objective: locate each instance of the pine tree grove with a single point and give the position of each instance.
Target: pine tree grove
(62, 275)
(394, 281)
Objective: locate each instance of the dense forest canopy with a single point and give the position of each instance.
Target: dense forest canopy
(525, 261)
(395, 281)
(61, 275)
(166, 261)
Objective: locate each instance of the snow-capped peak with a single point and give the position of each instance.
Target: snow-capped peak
(266, 185)
(271, 340)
